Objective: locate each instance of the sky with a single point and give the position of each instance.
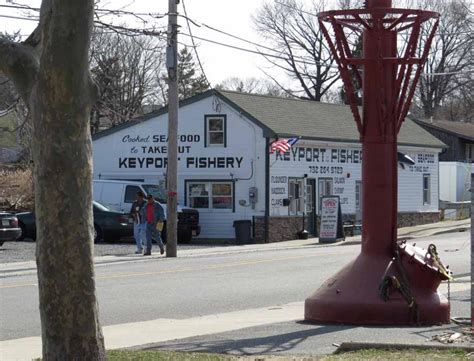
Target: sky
(219, 62)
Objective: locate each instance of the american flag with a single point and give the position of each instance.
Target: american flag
(282, 145)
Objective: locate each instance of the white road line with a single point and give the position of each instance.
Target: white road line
(160, 330)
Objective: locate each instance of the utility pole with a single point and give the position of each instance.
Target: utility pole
(172, 171)
(472, 251)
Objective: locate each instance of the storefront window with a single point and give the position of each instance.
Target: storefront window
(210, 195)
(426, 189)
(222, 196)
(198, 195)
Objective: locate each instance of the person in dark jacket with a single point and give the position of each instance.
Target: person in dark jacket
(154, 213)
(139, 221)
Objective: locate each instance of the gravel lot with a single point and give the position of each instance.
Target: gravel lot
(25, 251)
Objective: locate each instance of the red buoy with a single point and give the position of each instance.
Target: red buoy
(388, 283)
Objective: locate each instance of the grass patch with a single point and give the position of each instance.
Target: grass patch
(119, 355)
(415, 355)
(372, 354)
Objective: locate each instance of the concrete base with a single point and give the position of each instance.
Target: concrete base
(352, 297)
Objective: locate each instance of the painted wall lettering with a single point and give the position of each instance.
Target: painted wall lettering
(135, 139)
(137, 163)
(279, 179)
(154, 151)
(422, 162)
(214, 162)
(278, 192)
(320, 155)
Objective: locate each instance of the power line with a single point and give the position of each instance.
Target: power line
(19, 7)
(162, 15)
(253, 43)
(100, 10)
(200, 25)
(188, 20)
(153, 32)
(19, 18)
(260, 53)
(239, 38)
(123, 30)
(194, 45)
(449, 73)
(301, 60)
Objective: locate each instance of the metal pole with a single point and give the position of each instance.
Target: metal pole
(472, 250)
(379, 145)
(172, 172)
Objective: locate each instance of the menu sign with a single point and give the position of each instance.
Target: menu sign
(331, 229)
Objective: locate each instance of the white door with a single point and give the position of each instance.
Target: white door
(324, 189)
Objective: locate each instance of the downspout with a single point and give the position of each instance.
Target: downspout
(267, 189)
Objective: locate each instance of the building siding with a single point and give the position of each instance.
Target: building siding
(124, 155)
(456, 147)
(344, 175)
(244, 141)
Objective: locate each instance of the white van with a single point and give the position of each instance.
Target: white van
(120, 195)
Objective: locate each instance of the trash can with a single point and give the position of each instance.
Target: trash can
(242, 231)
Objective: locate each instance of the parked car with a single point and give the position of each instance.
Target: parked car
(109, 225)
(120, 195)
(9, 230)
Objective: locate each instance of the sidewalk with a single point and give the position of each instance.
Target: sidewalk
(426, 230)
(272, 330)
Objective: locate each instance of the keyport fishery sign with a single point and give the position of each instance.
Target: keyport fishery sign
(150, 152)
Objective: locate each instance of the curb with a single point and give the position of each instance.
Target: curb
(357, 346)
(410, 237)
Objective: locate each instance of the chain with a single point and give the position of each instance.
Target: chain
(437, 262)
(449, 292)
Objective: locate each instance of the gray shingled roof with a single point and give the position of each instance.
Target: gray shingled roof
(461, 129)
(293, 117)
(310, 119)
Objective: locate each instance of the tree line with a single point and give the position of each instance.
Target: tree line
(129, 68)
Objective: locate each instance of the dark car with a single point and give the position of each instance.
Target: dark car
(109, 225)
(9, 230)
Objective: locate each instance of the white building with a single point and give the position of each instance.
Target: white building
(455, 188)
(227, 172)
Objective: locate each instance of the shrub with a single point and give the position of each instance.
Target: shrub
(16, 189)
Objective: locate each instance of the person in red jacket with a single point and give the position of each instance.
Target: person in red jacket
(154, 213)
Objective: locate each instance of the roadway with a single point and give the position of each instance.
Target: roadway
(191, 287)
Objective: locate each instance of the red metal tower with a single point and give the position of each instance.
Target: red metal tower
(388, 283)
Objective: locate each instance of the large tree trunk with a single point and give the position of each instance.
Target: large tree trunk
(51, 72)
(61, 105)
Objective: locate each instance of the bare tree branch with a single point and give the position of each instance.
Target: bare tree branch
(289, 27)
(451, 56)
(20, 64)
